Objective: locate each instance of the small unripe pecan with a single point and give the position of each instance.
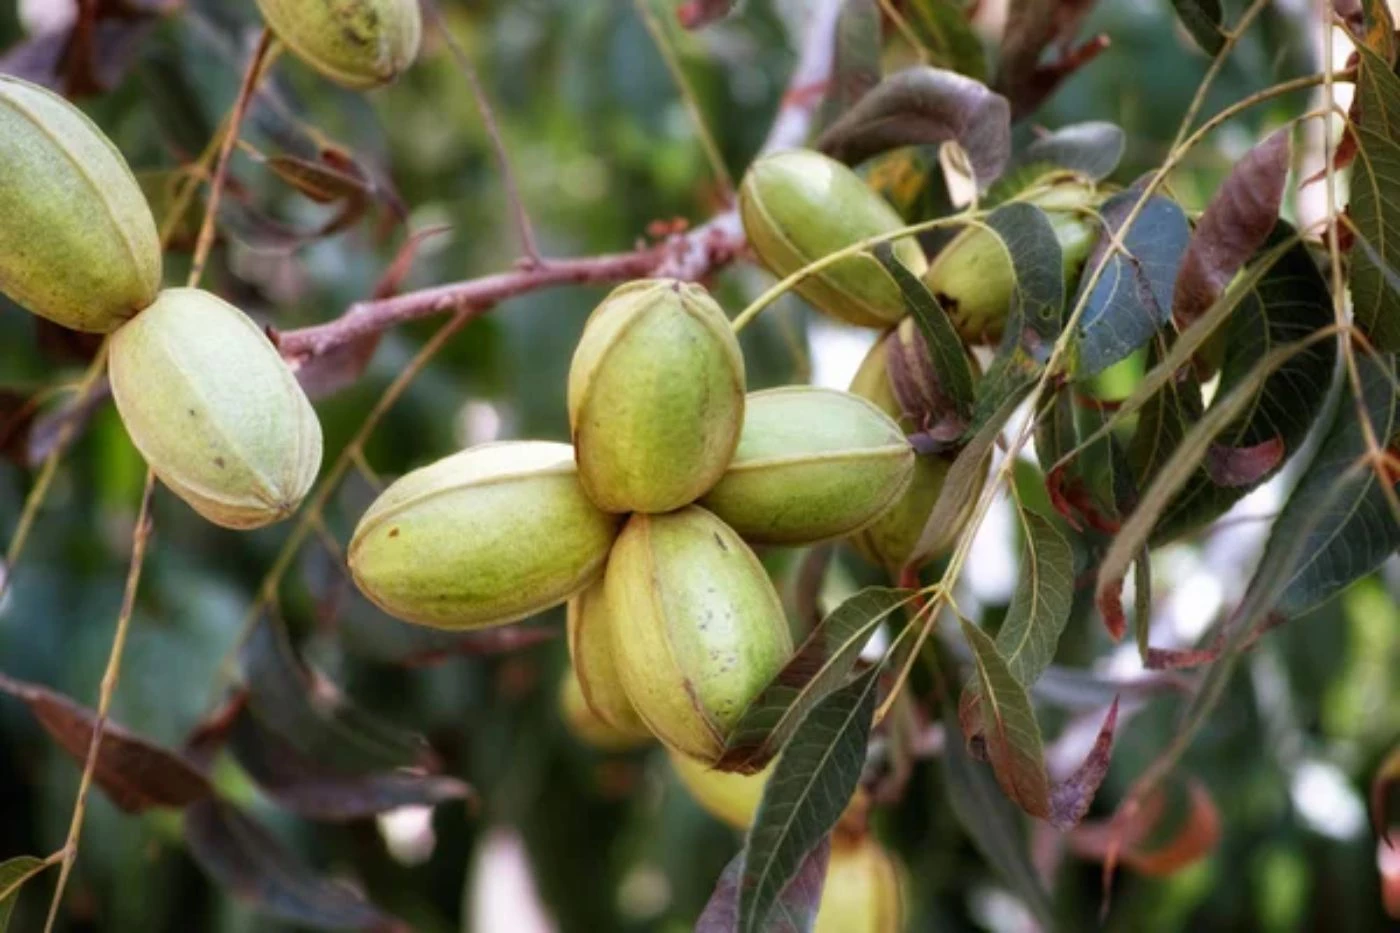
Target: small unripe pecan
(487, 536)
(862, 891)
(656, 396)
(698, 629)
(890, 540)
(799, 206)
(214, 409)
(358, 43)
(729, 797)
(591, 651)
(812, 464)
(972, 276)
(78, 244)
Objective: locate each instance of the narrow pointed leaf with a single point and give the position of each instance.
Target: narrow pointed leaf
(796, 909)
(921, 106)
(946, 352)
(1235, 225)
(944, 31)
(1041, 604)
(1375, 207)
(819, 667)
(313, 716)
(1172, 829)
(993, 825)
(1338, 524)
(1133, 297)
(1008, 722)
(1071, 798)
(1290, 304)
(135, 773)
(1179, 468)
(1202, 20)
(14, 873)
(809, 788)
(244, 858)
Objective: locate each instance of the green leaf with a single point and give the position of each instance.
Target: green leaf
(795, 911)
(993, 825)
(943, 29)
(1338, 524)
(856, 65)
(1374, 208)
(1036, 315)
(14, 873)
(1202, 20)
(1012, 734)
(946, 351)
(920, 106)
(1289, 304)
(1180, 467)
(1088, 477)
(806, 794)
(1092, 149)
(1040, 605)
(1132, 299)
(818, 668)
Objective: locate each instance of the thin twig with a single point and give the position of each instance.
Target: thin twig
(668, 54)
(205, 241)
(528, 244)
(691, 256)
(139, 537)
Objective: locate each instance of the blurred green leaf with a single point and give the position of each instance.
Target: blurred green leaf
(945, 32)
(14, 872)
(806, 793)
(1040, 605)
(1202, 20)
(820, 665)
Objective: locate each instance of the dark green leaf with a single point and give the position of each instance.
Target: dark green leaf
(14, 873)
(796, 909)
(1008, 723)
(1202, 20)
(943, 29)
(1235, 225)
(805, 795)
(925, 105)
(993, 825)
(1181, 466)
(1338, 524)
(819, 667)
(246, 859)
(1132, 299)
(947, 354)
(311, 714)
(135, 773)
(1036, 315)
(1375, 209)
(1041, 603)
(1290, 303)
(856, 65)
(312, 789)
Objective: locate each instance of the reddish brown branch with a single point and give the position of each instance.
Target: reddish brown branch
(692, 255)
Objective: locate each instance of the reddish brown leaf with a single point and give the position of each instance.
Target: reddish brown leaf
(238, 853)
(799, 899)
(696, 13)
(1388, 863)
(1070, 798)
(1243, 466)
(136, 774)
(1233, 228)
(95, 53)
(1110, 602)
(49, 427)
(1384, 786)
(1191, 828)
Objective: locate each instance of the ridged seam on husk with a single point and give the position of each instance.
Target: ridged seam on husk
(816, 279)
(269, 492)
(575, 620)
(77, 164)
(654, 597)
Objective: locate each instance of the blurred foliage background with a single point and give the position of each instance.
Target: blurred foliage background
(603, 147)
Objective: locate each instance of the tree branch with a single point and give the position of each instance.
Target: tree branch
(692, 255)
